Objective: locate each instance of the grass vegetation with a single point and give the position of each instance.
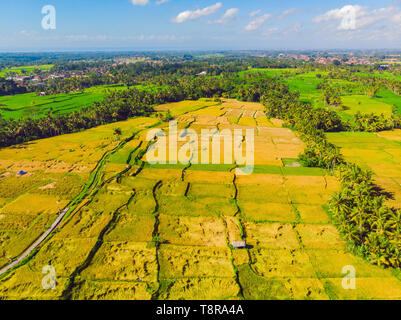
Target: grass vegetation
(166, 231)
(24, 70)
(31, 105)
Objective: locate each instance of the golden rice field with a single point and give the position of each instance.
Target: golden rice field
(379, 152)
(166, 231)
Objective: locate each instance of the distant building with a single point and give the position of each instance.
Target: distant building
(239, 244)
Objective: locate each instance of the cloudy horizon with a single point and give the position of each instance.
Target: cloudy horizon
(201, 25)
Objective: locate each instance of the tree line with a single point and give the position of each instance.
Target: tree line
(124, 104)
(370, 227)
(8, 87)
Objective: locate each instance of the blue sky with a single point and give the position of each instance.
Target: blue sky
(201, 25)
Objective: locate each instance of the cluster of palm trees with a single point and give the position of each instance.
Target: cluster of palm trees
(369, 86)
(358, 209)
(372, 84)
(303, 116)
(373, 123)
(320, 153)
(331, 97)
(256, 85)
(362, 217)
(310, 122)
(58, 85)
(8, 87)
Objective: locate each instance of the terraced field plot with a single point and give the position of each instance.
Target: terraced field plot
(27, 70)
(352, 94)
(166, 231)
(365, 104)
(56, 170)
(34, 106)
(379, 152)
(31, 105)
(352, 104)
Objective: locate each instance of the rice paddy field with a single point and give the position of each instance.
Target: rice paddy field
(353, 98)
(28, 70)
(365, 104)
(144, 231)
(31, 105)
(379, 152)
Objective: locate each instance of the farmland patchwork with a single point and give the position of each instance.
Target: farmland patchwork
(141, 229)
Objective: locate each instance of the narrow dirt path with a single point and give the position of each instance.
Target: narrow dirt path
(91, 186)
(36, 243)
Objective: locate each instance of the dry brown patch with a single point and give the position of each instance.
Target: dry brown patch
(233, 229)
(206, 231)
(5, 174)
(49, 186)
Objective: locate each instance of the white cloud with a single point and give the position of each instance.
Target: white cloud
(288, 12)
(257, 23)
(255, 13)
(162, 1)
(347, 16)
(192, 15)
(352, 17)
(276, 32)
(228, 16)
(382, 24)
(389, 14)
(140, 2)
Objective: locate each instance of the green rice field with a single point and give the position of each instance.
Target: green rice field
(28, 70)
(31, 105)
